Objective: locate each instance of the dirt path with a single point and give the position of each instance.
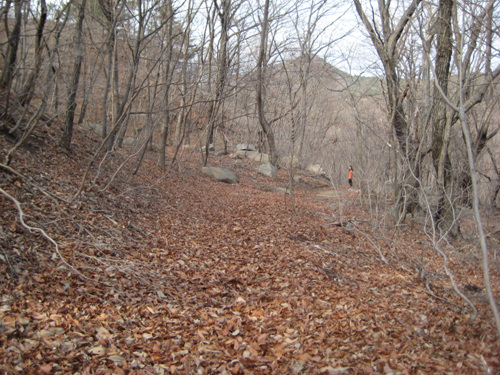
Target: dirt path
(184, 275)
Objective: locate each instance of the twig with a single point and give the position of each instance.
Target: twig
(8, 262)
(325, 250)
(117, 171)
(345, 223)
(431, 293)
(39, 230)
(384, 259)
(436, 247)
(454, 284)
(18, 174)
(55, 198)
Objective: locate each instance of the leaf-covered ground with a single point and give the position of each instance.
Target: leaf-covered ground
(174, 273)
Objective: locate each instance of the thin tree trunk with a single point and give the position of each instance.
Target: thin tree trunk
(151, 125)
(29, 87)
(477, 215)
(180, 126)
(121, 103)
(168, 82)
(109, 13)
(261, 67)
(12, 45)
(75, 78)
(440, 122)
(222, 67)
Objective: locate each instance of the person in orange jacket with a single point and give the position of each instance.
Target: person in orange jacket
(350, 176)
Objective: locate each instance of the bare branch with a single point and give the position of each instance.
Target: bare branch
(39, 230)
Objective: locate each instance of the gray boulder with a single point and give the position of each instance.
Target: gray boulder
(96, 128)
(251, 153)
(257, 156)
(287, 160)
(267, 169)
(245, 147)
(316, 169)
(128, 141)
(221, 174)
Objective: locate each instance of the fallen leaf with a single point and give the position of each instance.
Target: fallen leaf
(118, 359)
(97, 350)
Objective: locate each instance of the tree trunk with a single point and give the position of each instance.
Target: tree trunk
(261, 68)
(115, 99)
(477, 214)
(168, 82)
(386, 42)
(109, 14)
(75, 78)
(120, 104)
(12, 45)
(440, 122)
(224, 12)
(29, 87)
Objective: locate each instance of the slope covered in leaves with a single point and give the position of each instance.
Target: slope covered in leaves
(174, 273)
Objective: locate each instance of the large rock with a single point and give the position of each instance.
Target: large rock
(287, 160)
(129, 141)
(96, 128)
(245, 147)
(211, 147)
(317, 181)
(257, 156)
(249, 151)
(316, 169)
(221, 174)
(267, 169)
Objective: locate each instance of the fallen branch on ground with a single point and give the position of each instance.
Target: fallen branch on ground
(39, 230)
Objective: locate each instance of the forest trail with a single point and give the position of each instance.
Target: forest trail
(179, 274)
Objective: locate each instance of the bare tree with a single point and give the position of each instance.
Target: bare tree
(496, 189)
(120, 101)
(477, 214)
(110, 11)
(260, 91)
(458, 33)
(386, 38)
(464, 63)
(312, 21)
(29, 86)
(440, 120)
(188, 87)
(75, 78)
(168, 74)
(225, 12)
(13, 42)
(449, 33)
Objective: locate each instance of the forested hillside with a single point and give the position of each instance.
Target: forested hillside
(121, 252)
(174, 272)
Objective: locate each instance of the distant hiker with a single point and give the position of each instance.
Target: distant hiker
(350, 176)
